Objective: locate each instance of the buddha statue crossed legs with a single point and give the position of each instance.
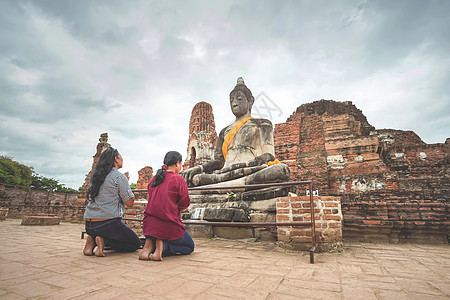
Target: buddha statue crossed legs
(243, 150)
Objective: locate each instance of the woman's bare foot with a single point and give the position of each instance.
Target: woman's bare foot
(157, 255)
(100, 246)
(149, 247)
(89, 246)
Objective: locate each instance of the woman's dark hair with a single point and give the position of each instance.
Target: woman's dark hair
(102, 169)
(171, 158)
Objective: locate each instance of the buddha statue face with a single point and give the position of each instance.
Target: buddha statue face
(239, 103)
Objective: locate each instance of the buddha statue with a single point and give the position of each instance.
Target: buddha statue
(243, 150)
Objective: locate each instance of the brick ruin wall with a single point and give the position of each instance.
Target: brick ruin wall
(22, 203)
(394, 187)
(328, 222)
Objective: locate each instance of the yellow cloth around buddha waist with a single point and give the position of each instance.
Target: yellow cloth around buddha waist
(230, 136)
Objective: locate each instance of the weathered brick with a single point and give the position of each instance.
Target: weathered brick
(281, 211)
(372, 222)
(282, 204)
(282, 218)
(334, 225)
(328, 217)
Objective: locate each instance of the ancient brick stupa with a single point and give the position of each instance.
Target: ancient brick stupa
(202, 135)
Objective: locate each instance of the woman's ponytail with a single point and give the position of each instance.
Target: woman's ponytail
(171, 158)
(159, 177)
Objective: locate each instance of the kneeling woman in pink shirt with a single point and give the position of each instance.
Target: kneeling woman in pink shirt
(167, 198)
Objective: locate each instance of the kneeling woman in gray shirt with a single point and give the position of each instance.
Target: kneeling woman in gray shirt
(108, 195)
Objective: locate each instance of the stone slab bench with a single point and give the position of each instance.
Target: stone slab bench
(41, 219)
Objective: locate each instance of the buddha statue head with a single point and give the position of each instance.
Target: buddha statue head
(241, 99)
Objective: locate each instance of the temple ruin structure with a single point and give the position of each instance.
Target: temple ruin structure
(202, 136)
(394, 187)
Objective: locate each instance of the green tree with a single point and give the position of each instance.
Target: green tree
(14, 174)
(17, 175)
(67, 190)
(49, 184)
(42, 183)
(132, 185)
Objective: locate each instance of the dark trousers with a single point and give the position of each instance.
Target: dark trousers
(183, 245)
(115, 234)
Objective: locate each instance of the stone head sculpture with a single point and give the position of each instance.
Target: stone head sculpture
(103, 137)
(241, 99)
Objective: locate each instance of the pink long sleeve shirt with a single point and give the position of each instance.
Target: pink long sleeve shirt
(165, 202)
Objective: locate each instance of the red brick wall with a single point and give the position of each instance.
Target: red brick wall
(328, 222)
(396, 216)
(299, 143)
(312, 161)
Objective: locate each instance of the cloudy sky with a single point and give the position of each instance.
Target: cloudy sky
(70, 70)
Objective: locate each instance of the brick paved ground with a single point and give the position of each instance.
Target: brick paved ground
(46, 262)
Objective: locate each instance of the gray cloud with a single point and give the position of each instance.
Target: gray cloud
(136, 132)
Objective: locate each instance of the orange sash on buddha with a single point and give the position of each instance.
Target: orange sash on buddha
(230, 136)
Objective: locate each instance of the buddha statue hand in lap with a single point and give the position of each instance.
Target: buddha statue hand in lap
(243, 150)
